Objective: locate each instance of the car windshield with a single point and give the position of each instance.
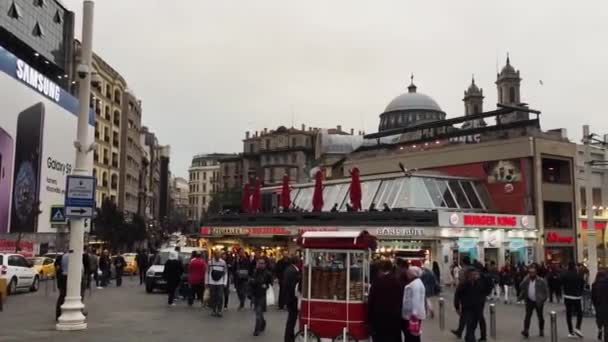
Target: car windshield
(130, 258)
(37, 261)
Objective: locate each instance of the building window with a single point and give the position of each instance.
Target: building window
(512, 94)
(116, 118)
(294, 158)
(557, 214)
(204, 200)
(251, 148)
(114, 183)
(39, 3)
(204, 175)
(37, 31)
(556, 171)
(475, 109)
(108, 91)
(57, 18)
(14, 11)
(117, 96)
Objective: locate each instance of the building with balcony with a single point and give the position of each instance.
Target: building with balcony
(130, 154)
(107, 102)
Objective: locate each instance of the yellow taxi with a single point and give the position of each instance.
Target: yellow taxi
(131, 267)
(44, 266)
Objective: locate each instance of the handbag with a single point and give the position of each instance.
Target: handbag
(270, 300)
(414, 326)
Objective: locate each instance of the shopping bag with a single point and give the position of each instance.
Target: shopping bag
(206, 296)
(414, 326)
(270, 296)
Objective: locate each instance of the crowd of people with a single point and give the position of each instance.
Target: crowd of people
(532, 286)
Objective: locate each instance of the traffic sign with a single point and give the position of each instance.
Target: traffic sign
(58, 215)
(80, 196)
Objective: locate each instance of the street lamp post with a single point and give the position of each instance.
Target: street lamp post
(590, 213)
(71, 311)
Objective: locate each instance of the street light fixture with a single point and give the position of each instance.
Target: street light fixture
(71, 311)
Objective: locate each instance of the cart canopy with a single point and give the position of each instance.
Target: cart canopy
(344, 239)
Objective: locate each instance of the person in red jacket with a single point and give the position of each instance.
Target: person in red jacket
(197, 269)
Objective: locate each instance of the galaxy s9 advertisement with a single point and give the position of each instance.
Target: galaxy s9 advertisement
(37, 134)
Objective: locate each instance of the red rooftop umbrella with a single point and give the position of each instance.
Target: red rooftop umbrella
(285, 194)
(256, 198)
(246, 199)
(355, 189)
(317, 197)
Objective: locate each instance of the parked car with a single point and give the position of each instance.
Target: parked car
(154, 275)
(19, 273)
(44, 266)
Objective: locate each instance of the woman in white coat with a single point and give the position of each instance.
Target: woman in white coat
(414, 305)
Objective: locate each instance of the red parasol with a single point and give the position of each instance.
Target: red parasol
(355, 189)
(285, 195)
(246, 199)
(256, 198)
(317, 197)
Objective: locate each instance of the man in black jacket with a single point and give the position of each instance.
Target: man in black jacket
(599, 296)
(384, 305)
(279, 270)
(573, 283)
(291, 283)
(260, 283)
(241, 268)
(469, 301)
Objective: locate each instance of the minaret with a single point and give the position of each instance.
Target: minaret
(508, 86)
(473, 104)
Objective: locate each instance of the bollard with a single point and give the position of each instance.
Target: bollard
(493, 321)
(441, 314)
(553, 316)
(305, 332)
(344, 335)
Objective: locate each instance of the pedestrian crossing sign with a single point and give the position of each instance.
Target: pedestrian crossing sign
(58, 215)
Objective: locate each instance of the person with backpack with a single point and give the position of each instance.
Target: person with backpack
(241, 269)
(216, 279)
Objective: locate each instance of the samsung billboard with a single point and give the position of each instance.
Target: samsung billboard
(37, 133)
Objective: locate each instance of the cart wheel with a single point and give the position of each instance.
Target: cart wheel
(311, 337)
(349, 338)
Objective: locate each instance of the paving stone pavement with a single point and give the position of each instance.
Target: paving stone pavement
(129, 314)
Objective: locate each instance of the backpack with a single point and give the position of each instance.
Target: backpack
(216, 275)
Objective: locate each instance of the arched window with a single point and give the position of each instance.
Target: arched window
(104, 179)
(500, 99)
(475, 109)
(512, 94)
(114, 183)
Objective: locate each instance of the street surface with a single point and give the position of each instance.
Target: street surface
(129, 314)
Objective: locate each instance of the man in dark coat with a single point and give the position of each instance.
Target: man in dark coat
(172, 274)
(469, 301)
(119, 267)
(573, 283)
(242, 271)
(384, 305)
(142, 265)
(292, 278)
(279, 270)
(599, 296)
(260, 283)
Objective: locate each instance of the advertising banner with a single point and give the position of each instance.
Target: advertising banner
(37, 133)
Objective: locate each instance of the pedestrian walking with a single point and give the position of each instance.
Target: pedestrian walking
(432, 288)
(413, 305)
(469, 300)
(555, 284)
(292, 278)
(119, 268)
(384, 305)
(599, 296)
(217, 279)
(230, 279)
(278, 272)
(437, 272)
(241, 275)
(507, 276)
(260, 283)
(93, 269)
(574, 284)
(105, 266)
(534, 292)
(462, 275)
(172, 274)
(455, 273)
(197, 269)
(141, 259)
(61, 273)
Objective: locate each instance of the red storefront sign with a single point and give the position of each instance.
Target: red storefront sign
(490, 220)
(557, 238)
(26, 248)
(597, 224)
(243, 231)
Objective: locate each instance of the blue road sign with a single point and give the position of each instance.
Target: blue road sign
(58, 215)
(80, 196)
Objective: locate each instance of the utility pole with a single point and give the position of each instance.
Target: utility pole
(71, 311)
(590, 213)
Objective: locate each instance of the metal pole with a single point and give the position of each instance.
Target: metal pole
(553, 317)
(441, 314)
(305, 332)
(493, 321)
(590, 213)
(71, 311)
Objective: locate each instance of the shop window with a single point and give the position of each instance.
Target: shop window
(557, 214)
(597, 202)
(556, 171)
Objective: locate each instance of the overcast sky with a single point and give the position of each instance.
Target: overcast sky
(207, 71)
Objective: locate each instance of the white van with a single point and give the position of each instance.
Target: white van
(154, 275)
